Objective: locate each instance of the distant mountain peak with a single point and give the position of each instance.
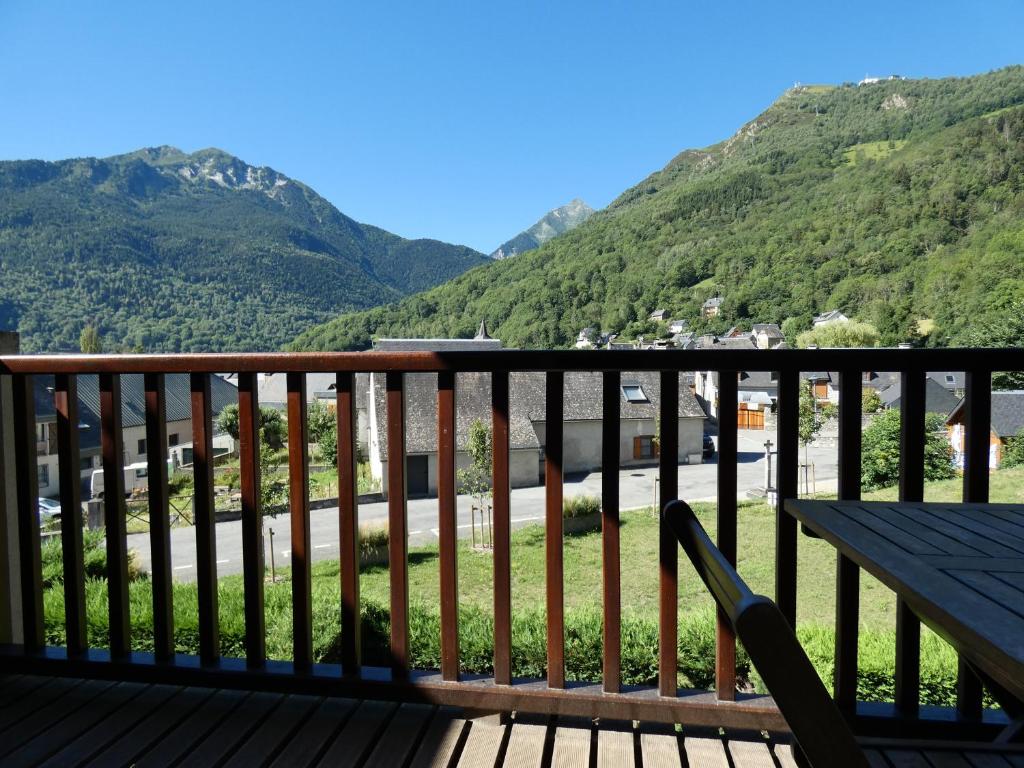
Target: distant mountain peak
(554, 223)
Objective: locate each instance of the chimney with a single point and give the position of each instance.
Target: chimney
(481, 333)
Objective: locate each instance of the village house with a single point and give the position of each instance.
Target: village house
(659, 315)
(1007, 422)
(832, 316)
(712, 307)
(757, 393)
(640, 399)
(767, 335)
(133, 420)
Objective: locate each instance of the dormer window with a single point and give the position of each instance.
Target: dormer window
(634, 393)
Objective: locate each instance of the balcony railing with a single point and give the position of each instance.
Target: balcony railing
(604, 698)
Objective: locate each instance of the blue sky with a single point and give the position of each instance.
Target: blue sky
(459, 121)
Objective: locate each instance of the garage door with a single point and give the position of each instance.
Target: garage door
(749, 419)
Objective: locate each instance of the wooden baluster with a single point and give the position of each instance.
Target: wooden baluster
(65, 400)
(298, 506)
(205, 520)
(398, 527)
(447, 507)
(788, 473)
(976, 488)
(554, 392)
(847, 572)
(725, 637)
(668, 544)
(348, 524)
(114, 512)
(27, 489)
(610, 570)
(502, 528)
(908, 627)
(159, 516)
(252, 520)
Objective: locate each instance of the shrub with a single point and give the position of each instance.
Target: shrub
(880, 457)
(581, 506)
(94, 558)
(372, 538)
(1013, 453)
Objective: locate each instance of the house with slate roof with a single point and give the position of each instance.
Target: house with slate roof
(1007, 422)
(133, 420)
(638, 409)
(711, 307)
(767, 335)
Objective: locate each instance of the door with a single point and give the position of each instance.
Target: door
(416, 476)
(749, 419)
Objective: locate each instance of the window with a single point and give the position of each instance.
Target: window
(142, 447)
(172, 439)
(950, 378)
(644, 447)
(142, 472)
(43, 471)
(634, 393)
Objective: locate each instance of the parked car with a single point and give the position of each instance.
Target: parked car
(709, 446)
(49, 509)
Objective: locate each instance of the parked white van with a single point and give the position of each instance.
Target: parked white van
(136, 480)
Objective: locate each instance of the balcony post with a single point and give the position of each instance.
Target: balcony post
(10, 563)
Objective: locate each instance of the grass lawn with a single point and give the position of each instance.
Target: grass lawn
(871, 150)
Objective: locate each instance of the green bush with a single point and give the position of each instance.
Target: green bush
(94, 557)
(880, 456)
(1013, 453)
(581, 506)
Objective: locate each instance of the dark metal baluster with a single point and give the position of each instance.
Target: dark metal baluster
(27, 487)
(298, 505)
(348, 524)
(159, 517)
(502, 529)
(447, 507)
(908, 627)
(976, 482)
(205, 521)
(725, 638)
(847, 572)
(252, 520)
(553, 528)
(788, 473)
(612, 636)
(398, 525)
(668, 544)
(65, 398)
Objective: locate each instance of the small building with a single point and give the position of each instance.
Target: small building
(832, 316)
(1007, 422)
(712, 307)
(133, 421)
(659, 315)
(677, 326)
(586, 338)
(767, 335)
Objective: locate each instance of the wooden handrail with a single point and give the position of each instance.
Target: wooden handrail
(819, 729)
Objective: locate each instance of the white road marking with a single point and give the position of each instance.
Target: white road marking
(322, 546)
(435, 532)
(182, 567)
(221, 562)
(285, 552)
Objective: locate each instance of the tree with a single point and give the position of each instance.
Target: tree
(851, 334)
(813, 417)
(870, 402)
(1005, 329)
(272, 426)
(321, 421)
(1013, 453)
(89, 340)
(880, 451)
(476, 479)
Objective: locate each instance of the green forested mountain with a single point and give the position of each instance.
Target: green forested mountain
(202, 252)
(900, 203)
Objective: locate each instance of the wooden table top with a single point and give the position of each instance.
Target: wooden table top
(959, 567)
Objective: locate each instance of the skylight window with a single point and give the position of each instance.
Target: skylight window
(634, 393)
(950, 378)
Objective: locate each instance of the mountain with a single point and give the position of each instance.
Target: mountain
(553, 224)
(167, 251)
(900, 203)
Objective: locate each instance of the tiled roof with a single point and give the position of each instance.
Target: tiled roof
(582, 402)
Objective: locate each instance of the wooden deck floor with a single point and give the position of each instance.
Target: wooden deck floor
(69, 722)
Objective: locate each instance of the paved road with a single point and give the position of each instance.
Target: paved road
(636, 489)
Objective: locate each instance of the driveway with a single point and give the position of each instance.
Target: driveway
(637, 487)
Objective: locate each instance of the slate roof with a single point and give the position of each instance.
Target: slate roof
(827, 317)
(436, 345)
(771, 330)
(716, 301)
(133, 402)
(937, 399)
(582, 402)
(1007, 412)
